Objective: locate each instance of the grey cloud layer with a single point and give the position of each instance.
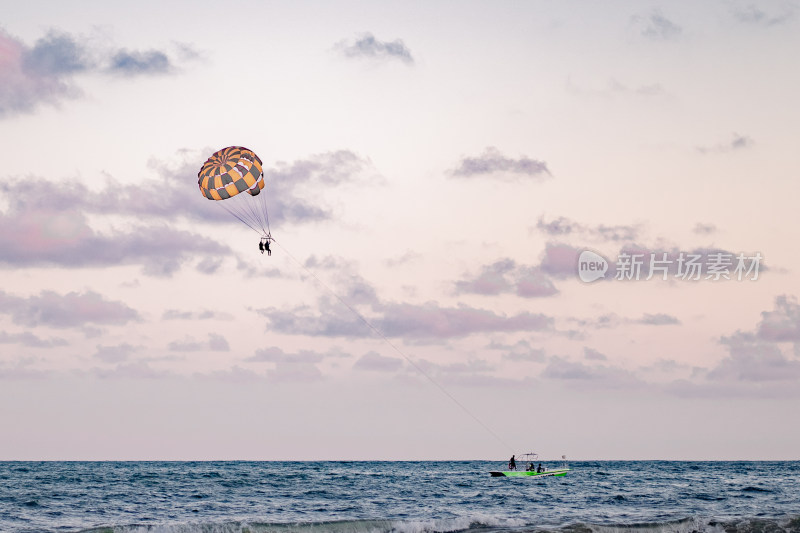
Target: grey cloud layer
(756, 14)
(505, 276)
(215, 343)
(656, 26)
(26, 338)
(367, 46)
(132, 63)
(783, 323)
(493, 163)
(69, 310)
(52, 229)
(411, 321)
(562, 226)
(737, 142)
(44, 72)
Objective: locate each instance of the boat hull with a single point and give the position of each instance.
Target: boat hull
(522, 473)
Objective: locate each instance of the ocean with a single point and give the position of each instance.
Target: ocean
(401, 497)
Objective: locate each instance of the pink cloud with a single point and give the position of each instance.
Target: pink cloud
(69, 310)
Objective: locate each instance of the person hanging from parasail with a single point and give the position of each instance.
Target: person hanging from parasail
(263, 244)
(229, 172)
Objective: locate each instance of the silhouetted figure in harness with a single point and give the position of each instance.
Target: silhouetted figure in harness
(263, 244)
(512, 463)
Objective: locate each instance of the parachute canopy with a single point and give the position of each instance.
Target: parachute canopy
(229, 172)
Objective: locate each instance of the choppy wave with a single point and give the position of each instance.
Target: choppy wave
(398, 497)
(789, 524)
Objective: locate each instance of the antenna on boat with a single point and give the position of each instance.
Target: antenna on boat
(394, 347)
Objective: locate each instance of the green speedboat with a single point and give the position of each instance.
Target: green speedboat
(526, 466)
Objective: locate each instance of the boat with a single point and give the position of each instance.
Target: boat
(527, 461)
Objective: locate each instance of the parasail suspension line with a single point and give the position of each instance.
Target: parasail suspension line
(395, 348)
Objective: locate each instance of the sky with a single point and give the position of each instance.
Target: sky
(435, 174)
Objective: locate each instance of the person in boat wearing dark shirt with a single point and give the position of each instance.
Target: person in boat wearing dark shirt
(512, 463)
(539, 469)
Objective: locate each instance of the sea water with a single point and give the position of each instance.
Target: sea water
(402, 497)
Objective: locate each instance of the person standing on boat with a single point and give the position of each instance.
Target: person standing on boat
(539, 470)
(512, 463)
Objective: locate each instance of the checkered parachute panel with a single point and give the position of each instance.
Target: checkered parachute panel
(230, 171)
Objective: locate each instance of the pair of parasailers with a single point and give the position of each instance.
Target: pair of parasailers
(263, 245)
(512, 465)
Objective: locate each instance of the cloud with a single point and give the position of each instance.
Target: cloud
(756, 364)
(738, 142)
(590, 376)
(294, 372)
(209, 265)
(756, 16)
(235, 374)
(44, 73)
(136, 63)
(560, 260)
(472, 373)
(64, 238)
(533, 283)
(53, 230)
(783, 323)
(704, 229)
(56, 54)
(133, 370)
(653, 89)
(490, 281)
(505, 276)
(658, 319)
(520, 351)
(561, 226)
(426, 321)
(300, 366)
(615, 88)
(593, 355)
(406, 258)
(26, 338)
(273, 354)
(657, 27)
(66, 311)
(176, 314)
(495, 164)
(432, 320)
(751, 359)
(115, 353)
(612, 320)
(292, 188)
(328, 262)
(373, 361)
(24, 82)
(22, 368)
(215, 343)
(367, 46)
